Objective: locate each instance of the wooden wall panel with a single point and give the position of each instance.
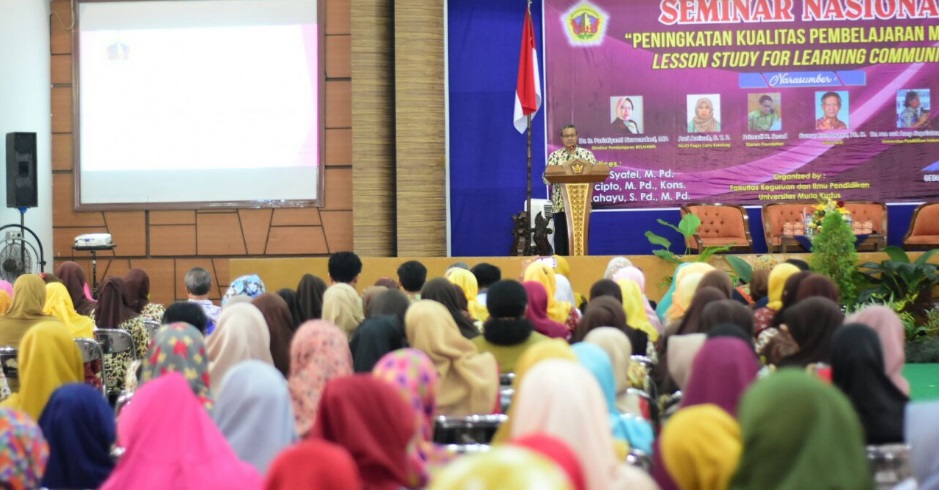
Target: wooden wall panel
(419, 128)
(255, 224)
(172, 240)
(161, 271)
(61, 69)
(337, 65)
(219, 234)
(373, 132)
(296, 217)
(128, 230)
(61, 109)
(297, 240)
(338, 17)
(338, 147)
(338, 104)
(183, 266)
(172, 218)
(60, 37)
(61, 152)
(338, 182)
(338, 234)
(63, 204)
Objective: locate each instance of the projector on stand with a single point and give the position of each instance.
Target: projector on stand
(91, 241)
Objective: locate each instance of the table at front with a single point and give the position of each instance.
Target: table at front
(875, 240)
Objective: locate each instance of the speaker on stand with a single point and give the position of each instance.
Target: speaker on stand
(22, 194)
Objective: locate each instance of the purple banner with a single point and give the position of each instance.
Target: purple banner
(748, 101)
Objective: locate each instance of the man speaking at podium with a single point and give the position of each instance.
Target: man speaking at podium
(559, 157)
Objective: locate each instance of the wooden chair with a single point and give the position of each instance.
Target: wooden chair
(721, 224)
(775, 217)
(924, 228)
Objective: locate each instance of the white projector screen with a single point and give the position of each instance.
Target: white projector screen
(201, 103)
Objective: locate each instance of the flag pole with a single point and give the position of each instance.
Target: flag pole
(531, 229)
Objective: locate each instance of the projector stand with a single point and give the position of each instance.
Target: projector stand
(94, 265)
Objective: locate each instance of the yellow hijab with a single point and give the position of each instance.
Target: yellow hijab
(544, 274)
(5, 302)
(59, 305)
(469, 380)
(342, 307)
(29, 296)
(681, 272)
(48, 358)
(684, 293)
(777, 282)
(547, 349)
(701, 447)
(467, 282)
(635, 307)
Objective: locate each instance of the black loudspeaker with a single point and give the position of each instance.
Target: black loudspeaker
(21, 170)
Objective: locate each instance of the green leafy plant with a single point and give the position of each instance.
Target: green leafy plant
(899, 277)
(834, 255)
(688, 226)
(741, 267)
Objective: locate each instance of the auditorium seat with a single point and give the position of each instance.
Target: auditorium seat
(924, 228)
(721, 224)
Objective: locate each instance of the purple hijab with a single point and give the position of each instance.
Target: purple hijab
(722, 371)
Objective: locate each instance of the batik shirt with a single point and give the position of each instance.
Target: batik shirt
(560, 157)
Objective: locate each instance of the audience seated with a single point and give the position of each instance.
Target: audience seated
(25, 451)
(467, 283)
(293, 304)
(280, 326)
(319, 352)
(507, 333)
(29, 298)
(342, 307)
(556, 450)
(310, 291)
(179, 348)
(242, 334)
(198, 286)
(59, 305)
(73, 277)
(559, 311)
(504, 468)
(486, 275)
(137, 283)
(537, 312)
(313, 463)
(411, 276)
(112, 311)
(442, 291)
(186, 312)
(701, 446)
(344, 267)
(890, 330)
(249, 286)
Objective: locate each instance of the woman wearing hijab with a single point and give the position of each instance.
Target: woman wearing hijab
(442, 291)
(113, 311)
(25, 451)
(48, 358)
(634, 304)
(175, 448)
(254, 412)
(922, 434)
(137, 283)
(701, 446)
(374, 338)
(890, 329)
(467, 282)
(347, 416)
(507, 333)
(319, 352)
(537, 312)
(615, 265)
(280, 326)
(691, 321)
(504, 468)
(310, 293)
(29, 298)
(178, 348)
(633, 430)
(681, 300)
(815, 443)
(605, 287)
(73, 276)
(817, 285)
(811, 324)
(719, 280)
(313, 464)
(59, 305)
(635, 275)
(241, 334)
(559, 311)
(723, 369)
(763, 317)
(293, 304)
(555, 450)
(618, 347)
(560, 398)
(606, 312)
(857, 368)
(249, 285)
(469, 380)
(369, 295)
(726, 311)
(704, 120)
(342, 307)
(412, 373)
(79, 426)
(552, 349)
(389, 303)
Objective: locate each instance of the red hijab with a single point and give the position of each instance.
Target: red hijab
(537, 312)
(313, 464)
(371, 420)
(559, 452)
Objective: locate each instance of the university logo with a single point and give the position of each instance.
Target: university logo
(585, 24)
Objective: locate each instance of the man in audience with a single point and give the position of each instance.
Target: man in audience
(345, 267)
(411, 276)
(198, 285)
(486, 275)
(186, 312)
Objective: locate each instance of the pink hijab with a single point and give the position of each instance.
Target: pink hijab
(890, 330)
(537, 312)
(175, 448)
(319, 352)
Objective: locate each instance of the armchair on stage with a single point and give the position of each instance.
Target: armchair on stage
(576, 179)
(721, 225)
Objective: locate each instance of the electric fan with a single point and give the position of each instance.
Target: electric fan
(19, 256)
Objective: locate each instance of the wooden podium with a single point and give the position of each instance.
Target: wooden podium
(576, 179)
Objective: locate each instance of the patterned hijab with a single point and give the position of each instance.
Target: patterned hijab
(241, 334)
(558, 311)
(73, 276)
(319, 352)
(412, 373)
(249, 285)
(59, 305)
(137, 283)
(310, 292)
(48, 358)
(255, 413)
(79, 425)
(815, 443)
(467, 282)
(889, 328)
(178, 348)
(23, 451)
(701, 446)
(280, 325)
(468, 379)
(343, 307)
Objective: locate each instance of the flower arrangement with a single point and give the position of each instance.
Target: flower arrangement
(813, 222)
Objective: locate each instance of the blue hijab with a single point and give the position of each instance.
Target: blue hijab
(79, 426)
(634, 430)
(666, 302)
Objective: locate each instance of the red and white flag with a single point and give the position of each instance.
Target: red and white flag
(528, 89)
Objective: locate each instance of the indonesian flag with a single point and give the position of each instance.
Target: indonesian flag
(528, 89)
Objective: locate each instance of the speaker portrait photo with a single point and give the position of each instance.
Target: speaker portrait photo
(831, 110)
(626, 114)
(913, 108)
(764, 112)
(704, 112)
